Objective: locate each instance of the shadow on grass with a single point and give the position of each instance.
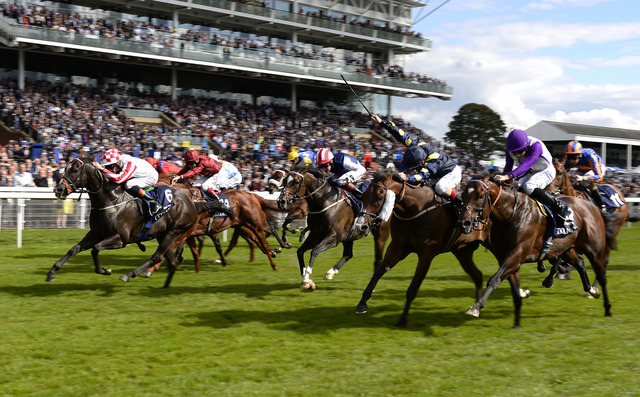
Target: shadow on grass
(53, 289)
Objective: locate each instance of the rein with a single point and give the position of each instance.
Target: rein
(326, 208)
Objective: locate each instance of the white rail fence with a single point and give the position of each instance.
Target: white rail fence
(38, 208)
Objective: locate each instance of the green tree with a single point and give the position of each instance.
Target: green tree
(478, 130)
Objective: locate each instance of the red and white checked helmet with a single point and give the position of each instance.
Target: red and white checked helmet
(111, 156)
(324, 156)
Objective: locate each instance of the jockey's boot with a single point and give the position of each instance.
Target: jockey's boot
(595, 193)
(357, 193)
(154, 206)
(557, 206)
(212, 194)
(456, 200)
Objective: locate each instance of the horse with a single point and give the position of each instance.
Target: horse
(116, 219)
(296, 210)
(422, 223)
(247, 216)
(518, 236)
(331, 221)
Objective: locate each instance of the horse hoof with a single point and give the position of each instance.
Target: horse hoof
(51, 277)
(525, 293)
(361, 309)
(547, 283)
(107, 272)
(146, 273)
(541, 267)
(562, 276)
(288, 245)
(124, 278)
(277, 251)
(595, 292)
(307, 285)
(473, 312)
(217, 262)
(330, 274)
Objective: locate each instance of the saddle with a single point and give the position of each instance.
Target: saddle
(164, 196)
(556, 226)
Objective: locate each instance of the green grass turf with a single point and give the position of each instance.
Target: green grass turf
(247, 330)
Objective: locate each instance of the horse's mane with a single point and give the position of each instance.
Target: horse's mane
(86, 157)
(385, 173)
(316, 173)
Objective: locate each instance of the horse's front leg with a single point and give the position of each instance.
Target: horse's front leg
(548, 281)
(111, 242)
(88, 241)
(507, 267)
(574, 259)
(395, 253)
(424, 262)
(312, 243)
(258, 237)
(347, 253)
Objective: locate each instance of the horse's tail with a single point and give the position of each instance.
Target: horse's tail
(610, 221)
(214, 206)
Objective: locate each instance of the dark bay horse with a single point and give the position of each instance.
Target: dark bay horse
(115, 219)
(517, 236)
(420, 223)
(331, 221)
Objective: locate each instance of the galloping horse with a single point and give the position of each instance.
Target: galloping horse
(517, 236)
(247, 216)
(296, 210)
(420, 223)
(562, 184)
(331, 221)
(116, 221)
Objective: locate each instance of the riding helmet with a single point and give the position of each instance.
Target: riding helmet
(292, 155)
(191, 155)
(573, 147)
(324, 156)
(111, 156)
(413, 157)
(517, 140)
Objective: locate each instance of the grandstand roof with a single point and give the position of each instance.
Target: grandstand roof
(557, 131)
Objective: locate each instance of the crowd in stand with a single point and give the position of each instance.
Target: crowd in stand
(67, 119)
(168, 37)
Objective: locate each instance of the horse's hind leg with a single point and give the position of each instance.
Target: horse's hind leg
(257, 236)
(465, 257)
(347, 253)
(517, 299)
(548, 281)
(216, 242)
(88, 241)
(395, 253)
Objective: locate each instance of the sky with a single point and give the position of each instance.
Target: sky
(573, 61)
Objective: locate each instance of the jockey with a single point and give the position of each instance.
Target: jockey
(163, 167)
(428, 161)
(343, 169)
(302, 159)
(590, 169)
(214, 175)
(534, 169)
(135, 173)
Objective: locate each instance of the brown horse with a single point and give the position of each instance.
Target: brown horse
(518, 236)
(331, 221)
(247, 217)
(116, 220)
(562, 184)
(421, 223)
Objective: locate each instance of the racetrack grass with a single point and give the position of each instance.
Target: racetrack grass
(247, 330)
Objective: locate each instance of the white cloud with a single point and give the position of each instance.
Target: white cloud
(551, 4)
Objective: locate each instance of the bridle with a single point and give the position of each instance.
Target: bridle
(479, 222)
(294, 195)
(71, 186)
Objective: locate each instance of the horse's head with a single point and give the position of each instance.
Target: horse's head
(298, 186)
(276, 180)
(476, 196)
(562, 182)
(380, 197)
(75, 176)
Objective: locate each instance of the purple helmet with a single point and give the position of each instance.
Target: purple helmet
(517, 140)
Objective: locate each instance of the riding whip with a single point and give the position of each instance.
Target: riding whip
(357, 97)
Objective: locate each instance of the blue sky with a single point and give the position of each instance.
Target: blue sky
(574, 61)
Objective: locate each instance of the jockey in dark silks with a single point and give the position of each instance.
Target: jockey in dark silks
(342, 169)
(427, 163)
(590, 169)
(534, 169)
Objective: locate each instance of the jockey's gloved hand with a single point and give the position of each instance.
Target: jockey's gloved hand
(336, 183)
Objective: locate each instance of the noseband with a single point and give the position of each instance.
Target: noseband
(294, 195)
(479, 222)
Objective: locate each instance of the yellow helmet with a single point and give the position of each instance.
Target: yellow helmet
(293, 155)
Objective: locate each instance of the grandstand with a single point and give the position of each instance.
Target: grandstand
(290, 53)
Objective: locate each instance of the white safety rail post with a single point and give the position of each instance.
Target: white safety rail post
(20, 222)
(83, 214)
